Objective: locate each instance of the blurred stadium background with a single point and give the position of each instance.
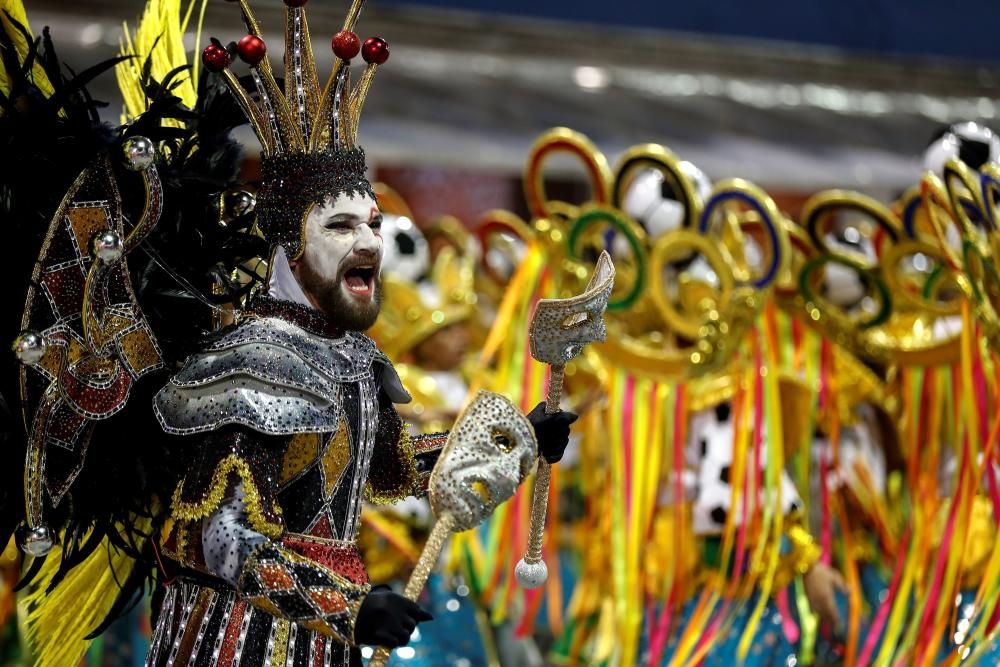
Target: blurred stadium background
(796, 96)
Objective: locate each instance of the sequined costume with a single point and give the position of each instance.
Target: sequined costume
(296, 427)
(268, 432)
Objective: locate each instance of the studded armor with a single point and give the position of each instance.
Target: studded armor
(288, 425)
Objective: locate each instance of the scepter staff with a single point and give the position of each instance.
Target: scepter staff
(487, 456)
(560, 329)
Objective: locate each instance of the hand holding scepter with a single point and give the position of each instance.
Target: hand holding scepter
(488, 454)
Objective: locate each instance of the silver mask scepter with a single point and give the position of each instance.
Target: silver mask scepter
(560, 329)
(488, 454)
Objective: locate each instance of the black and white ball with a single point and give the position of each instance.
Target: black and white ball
(711, 438)
(972, 143)
(651, 201)
(710, 450)
(407, 253)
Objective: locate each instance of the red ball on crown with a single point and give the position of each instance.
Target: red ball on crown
(251, 49)
(346, 44)
(375, 50)
(215, 58)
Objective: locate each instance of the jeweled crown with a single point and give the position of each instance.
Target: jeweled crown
(308, 134)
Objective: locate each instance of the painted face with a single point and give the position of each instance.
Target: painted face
(489, 453)
(339, 268)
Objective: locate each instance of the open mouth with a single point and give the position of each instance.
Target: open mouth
(360, 280)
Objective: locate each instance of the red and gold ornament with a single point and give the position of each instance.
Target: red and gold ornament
(216, 58)
(346, 45)
(251, 49)
(375, 50)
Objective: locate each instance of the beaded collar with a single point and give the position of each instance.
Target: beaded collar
(301, 316)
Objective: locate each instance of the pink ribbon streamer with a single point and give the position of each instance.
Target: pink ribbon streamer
(934, 595)
(788, 625)
(659, 639)
(875, 632)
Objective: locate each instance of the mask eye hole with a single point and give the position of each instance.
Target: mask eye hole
(576, 319)
(502, 439)
(482, 491)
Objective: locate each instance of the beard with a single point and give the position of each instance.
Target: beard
(344, 311)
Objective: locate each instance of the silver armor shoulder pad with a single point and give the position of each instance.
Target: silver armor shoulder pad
(265, 374)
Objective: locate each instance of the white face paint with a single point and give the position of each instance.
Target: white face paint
(339, 267)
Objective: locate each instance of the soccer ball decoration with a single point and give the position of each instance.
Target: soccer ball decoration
(972, 143)
(842, 285)
(407, 253)
(709, 450)
(651, 201)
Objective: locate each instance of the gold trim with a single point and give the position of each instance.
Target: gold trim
(188, 511)
(355, 104)
(408, 465)
(306, 118)
(256, 119)
(279, 656)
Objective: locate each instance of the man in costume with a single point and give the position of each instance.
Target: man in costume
(270, 512)
(284, 422)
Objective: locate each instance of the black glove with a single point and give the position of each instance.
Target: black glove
(551, 431)
(387, 619)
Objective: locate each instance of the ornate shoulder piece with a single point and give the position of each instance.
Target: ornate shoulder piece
(85, 341)
(266, 374)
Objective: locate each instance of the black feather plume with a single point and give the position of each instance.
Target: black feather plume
(180, 271)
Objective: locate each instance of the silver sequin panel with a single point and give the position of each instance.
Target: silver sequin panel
(268, 375)
(263, 406)
(344, 359)
(261, 361)
(366, 446)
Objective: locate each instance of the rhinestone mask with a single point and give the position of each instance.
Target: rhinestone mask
(489, 453)
(562, 327)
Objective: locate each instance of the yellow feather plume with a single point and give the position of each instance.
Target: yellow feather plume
(57, 622)
(160, 37)
(16, 10)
